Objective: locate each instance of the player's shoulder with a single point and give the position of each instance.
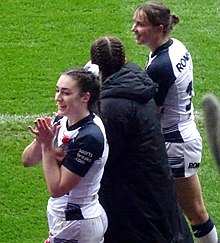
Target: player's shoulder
(91, 130)
(178, 48)
(178, 43)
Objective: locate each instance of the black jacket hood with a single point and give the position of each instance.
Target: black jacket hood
(130, 82)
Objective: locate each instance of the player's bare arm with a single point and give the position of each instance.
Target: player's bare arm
(59, 179)
(32, 154)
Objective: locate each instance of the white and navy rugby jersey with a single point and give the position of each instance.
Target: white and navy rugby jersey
(171, 67)
(86, 155)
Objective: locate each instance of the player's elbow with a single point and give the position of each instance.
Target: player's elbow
(27, 161)
(56, 193)
(26, 164)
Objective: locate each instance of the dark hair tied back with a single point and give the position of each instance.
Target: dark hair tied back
(87, 82)
(158, 14)
(109, 54)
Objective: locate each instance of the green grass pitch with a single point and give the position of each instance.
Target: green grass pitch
(39, 40)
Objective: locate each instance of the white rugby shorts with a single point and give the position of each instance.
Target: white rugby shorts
(77, 231)
(184, 158)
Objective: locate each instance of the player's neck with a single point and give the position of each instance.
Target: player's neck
(159, 42)
(77, 117)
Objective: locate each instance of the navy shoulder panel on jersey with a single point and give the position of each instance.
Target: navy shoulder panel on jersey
(160, 70)
(87, 147)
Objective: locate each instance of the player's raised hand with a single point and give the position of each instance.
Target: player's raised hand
(43, 131)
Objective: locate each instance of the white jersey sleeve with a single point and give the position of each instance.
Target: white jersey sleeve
(171, 67)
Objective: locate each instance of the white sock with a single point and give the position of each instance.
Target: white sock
(211, 237)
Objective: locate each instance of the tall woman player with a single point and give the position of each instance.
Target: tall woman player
(170, 65)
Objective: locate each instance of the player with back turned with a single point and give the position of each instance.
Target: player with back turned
(137, 189)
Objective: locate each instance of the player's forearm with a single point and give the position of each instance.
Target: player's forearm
(51, 170)
(32, 154)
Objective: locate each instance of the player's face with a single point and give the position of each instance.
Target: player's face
(144, 31)
(68, 99)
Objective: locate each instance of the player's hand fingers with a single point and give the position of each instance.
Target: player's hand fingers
(32, 130)
(48, 121)
(41, 125)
